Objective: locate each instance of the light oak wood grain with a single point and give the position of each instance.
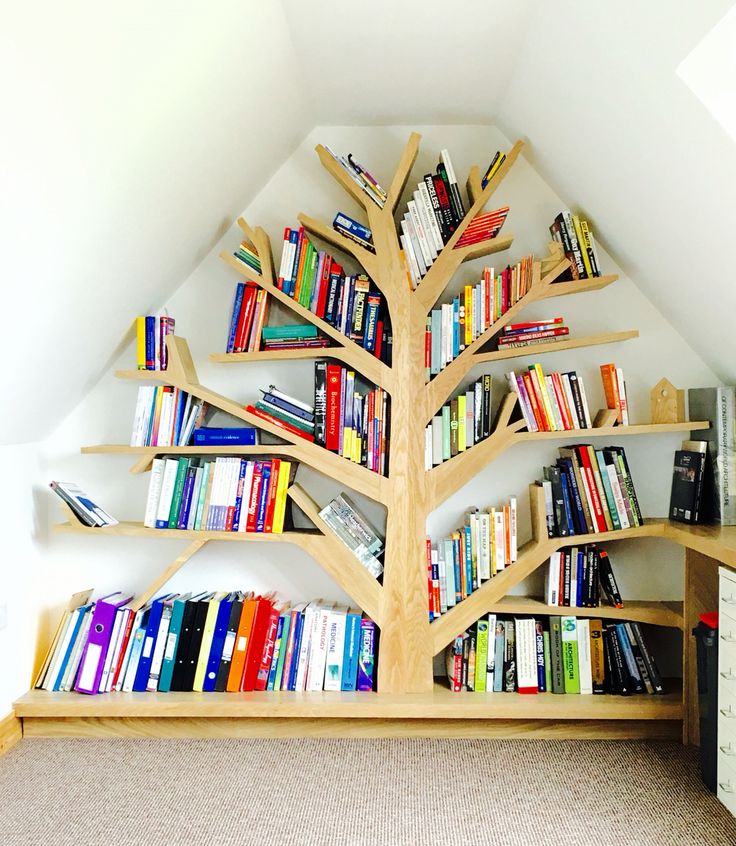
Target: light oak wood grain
(11, 732)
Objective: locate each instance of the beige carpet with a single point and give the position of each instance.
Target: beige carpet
(342, 792)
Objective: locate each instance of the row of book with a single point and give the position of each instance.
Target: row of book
(292, 336)
(532, 332)
(577, 576)
(355, 531)
(84, 509)
(589, 490)
(459, 564)
(247, 318)
(462, 422)
(553, 402)
(166, 416)
(350, 303)
(248, 255)
(360, 176)
(224, 495)
(553, 655)
(223, 641)
(151, 332)
(574, 233)
(454, 326)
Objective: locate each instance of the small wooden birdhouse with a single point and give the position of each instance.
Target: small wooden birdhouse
(667, 402)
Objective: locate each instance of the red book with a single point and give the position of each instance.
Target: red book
(433, 611)
(487, 283)
(512, 327)
(324, 286)
(561, 401)
(271, 504)
(123, 647)
(583, 458)
(255, 495)
(379, 339)
(535, 399)
(427, 348)
(287, 427)
(265, 665)
(246, 317)
(332, 435)
(256, 643)
(533, 336)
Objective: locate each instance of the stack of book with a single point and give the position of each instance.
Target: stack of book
(354, 529)
(84, 509)
(588, 491)
(483, 227)
(493, 167)
(224, 641)
(247, 254)
(247, 318)
(460, 423)
(532, 333)
(614, 388)
(151, 332)
(551, 403)
(348, 422)
(574, 234)
(353, 230)
(454, 326)
(286, 412)
(361, 177)
(292, 336)
(576, 575)
(349, 303)
(483, 547)
(224, 495)
(433, 214)
(166, 416)
(552, 655)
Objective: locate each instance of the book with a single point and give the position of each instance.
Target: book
(718, 405)
(687, 484)
(86, 511)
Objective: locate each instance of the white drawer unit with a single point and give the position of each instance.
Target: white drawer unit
(726, 782)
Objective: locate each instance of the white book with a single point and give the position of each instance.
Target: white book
(469, 418)
(234, 481)
(586, 410)
(447, 563)
(437, 440)
(281, 395)
(63, 644)
(155, 484)
(159, 648)
(70, 492)
(196, 487)
(138, 434)
(210, 518)
(428, 447)
(284, 266)
(430, 216)
(618, 496)
(421, 236)
(163, 437)
(318, 653)
(585, 667)
(552, 582)
(513, 524)
(622, 396)
(447, 331)
(185, 414)
(570, 397)
(476, 312)
(128, 650)
(335, 648)
(548, 504)
(491, 658)
(574, 577)
(109, 655)
(426, 224)
(411, 262)
(311, 619)
(70, 676)
(167, 493)
(447, 162)
(188, 426)
(484, 520)
(526, 655)
(411, 234)
(118, 649)
(137, 637)
(442, 577)
(556, 413)
(247, 485)
(499, 540)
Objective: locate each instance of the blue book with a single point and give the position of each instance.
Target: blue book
(498, 655)
(456, 327)
(568, 503)
(150, 342)
(218, 642)
(76, 626)
(186, 498)
(236, 436)
(263, 497)
(239, 495)
(239, 293)
(172, 642)
(372, 305)
(351, 650)
(629, 659)
(580, 574)
(277, 647)
(565, 464)
(285, 405)
(298, 630)
(290, 280)
(143, 671)
(468, 561)
(458, 570)
(436, 331)
(541, 673)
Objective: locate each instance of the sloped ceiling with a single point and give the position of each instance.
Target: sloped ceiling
(133, 136)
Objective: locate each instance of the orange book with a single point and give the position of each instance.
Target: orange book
(256, 643)
(567, 417)
(610, 386)
(240, 649)
(254, 344)
(536, 410)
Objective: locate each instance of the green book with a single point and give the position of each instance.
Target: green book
(569, 626)
(608, 489)
(481, 656)
(547, 664)
(172, 641)
(446, 454)
(202, 495)
(292, 419)
(306, 271)
(293, 330)
(181, 475)
(306, 293)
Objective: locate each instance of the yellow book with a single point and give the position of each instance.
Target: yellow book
(545, 396)
(468, 315)
(209, 630)
(281, 487)
(140, 335)
(582, 243)
(461, 427)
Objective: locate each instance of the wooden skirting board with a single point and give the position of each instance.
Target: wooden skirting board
(11, 732)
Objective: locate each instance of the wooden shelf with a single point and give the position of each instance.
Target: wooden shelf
(127, 528)
(566, 343)
(613, 431)
(276, 355)
(439, 703)
(655, 613)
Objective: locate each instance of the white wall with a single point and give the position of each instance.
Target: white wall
(202, 305)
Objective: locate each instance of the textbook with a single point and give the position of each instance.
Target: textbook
(86, 511)
(151, 333)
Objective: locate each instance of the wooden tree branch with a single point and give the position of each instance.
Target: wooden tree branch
(341, 177)
(402, 172)
(167, 574)
(365, 258)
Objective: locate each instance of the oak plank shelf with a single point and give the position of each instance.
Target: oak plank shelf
(275, 355)
(614, 431)
(132, 529)
(567, 343)
(211, 449)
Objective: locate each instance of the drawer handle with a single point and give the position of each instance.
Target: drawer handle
(729, 676)
(726, 786)
(729, 751)
(729, 638)
(729, 600)
(728, 712)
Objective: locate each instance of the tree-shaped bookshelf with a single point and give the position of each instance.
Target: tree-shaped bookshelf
(409, 492)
